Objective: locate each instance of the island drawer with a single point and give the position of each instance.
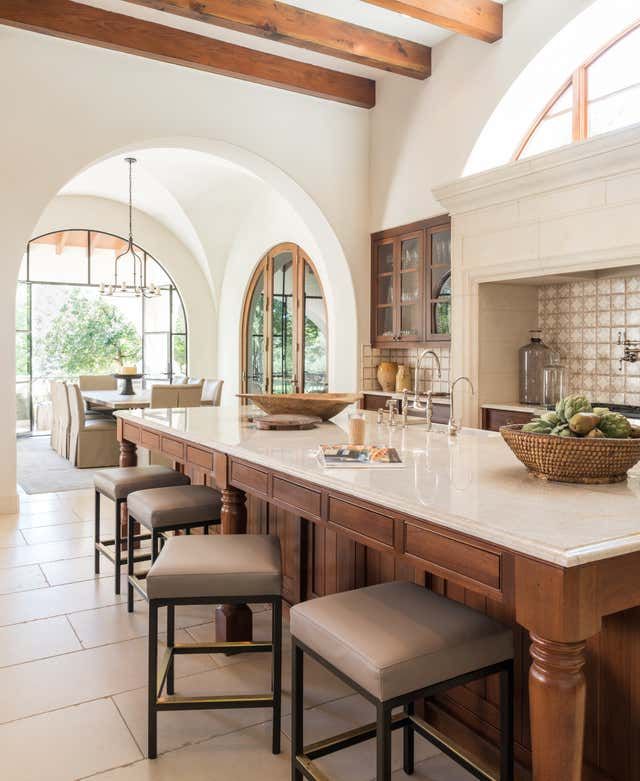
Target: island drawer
(451, 556)
(150, 440)
(203, 458)
(249, 478)
(297, 497)
(129, 432)
(173, 447)
(362, 520)
(493, 419)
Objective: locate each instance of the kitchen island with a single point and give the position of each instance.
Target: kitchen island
(560, 563)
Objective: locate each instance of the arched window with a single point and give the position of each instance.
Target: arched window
(603, 94)
(65, 328)
(284, 326)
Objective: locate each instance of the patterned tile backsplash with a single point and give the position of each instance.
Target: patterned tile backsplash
(581, 321)
(371, 357)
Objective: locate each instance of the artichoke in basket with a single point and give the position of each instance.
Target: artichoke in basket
(537, 426)
(615, 426)
(583, 422)
(568, 407)
(552, 418)
(600, 411)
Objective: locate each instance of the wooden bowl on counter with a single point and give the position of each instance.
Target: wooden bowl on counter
(573, 459)
(320, 405)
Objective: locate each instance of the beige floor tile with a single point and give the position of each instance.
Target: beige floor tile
(21, 579)
(62, 531)
(49, 551)
(36, 640)
(57, 600)
(82, 504)
(439, 768)
(235, 757)
(57, 682)
(66, 744)
(11, 539)
(39, 503)
(114, 624)
(52, 518)
(58, 573)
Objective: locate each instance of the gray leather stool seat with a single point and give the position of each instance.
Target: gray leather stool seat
(396, 644)
(116, 484)
(201, 570)
(397, 637)
(179, 505)
(225, 565)
(119, 482)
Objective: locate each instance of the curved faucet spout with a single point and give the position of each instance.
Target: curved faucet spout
(454, 426)
(416, 384)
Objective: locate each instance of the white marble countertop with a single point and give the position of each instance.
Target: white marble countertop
(517, 406)
(389, 395)
(471, 483)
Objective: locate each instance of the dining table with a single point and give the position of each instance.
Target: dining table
(114, 400)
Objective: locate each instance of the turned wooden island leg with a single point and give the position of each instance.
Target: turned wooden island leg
(128, 453)
(557, 692)
(234, 623)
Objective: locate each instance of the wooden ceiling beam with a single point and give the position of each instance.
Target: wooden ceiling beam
(481, 19)
(299, 27)
(94, 26)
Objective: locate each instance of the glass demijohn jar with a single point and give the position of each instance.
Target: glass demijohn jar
(533, 358)
(553, 380)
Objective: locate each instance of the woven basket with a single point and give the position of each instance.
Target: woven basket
(573, 459)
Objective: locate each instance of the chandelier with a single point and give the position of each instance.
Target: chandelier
(131, 258)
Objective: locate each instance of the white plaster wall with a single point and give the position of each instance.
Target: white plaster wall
(66, 105)
(101, 214)
(422, 133)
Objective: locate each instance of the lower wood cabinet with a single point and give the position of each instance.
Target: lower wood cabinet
(493, 419)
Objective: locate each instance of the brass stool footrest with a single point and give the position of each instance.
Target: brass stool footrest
(349, 738)
(178, 702)
(241, 647)
(106, 551)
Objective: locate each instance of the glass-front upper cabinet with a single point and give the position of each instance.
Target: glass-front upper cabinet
(285, 326)
(411, 293)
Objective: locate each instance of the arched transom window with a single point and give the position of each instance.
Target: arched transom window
(284, 332)
(602, 95)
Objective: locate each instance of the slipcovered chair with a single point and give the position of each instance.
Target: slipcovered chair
(92, 442)
(189, 395)
(97, 382)
(63, 419)
(55, 414)
(164, 396)
(211, 392)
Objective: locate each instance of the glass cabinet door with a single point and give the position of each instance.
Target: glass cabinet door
(385, 281)
(314, 370)
(411, 274)
(439, 281)
(283, 353)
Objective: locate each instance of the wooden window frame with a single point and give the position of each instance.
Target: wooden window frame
(265, 267)
(580, 82)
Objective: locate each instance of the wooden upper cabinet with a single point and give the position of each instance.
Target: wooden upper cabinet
(411, 283)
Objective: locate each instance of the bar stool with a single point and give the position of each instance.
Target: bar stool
(163, 510)
(230, 569)
(116, 484)
(397, 643)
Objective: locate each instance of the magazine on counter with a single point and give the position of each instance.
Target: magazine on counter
(358, 456)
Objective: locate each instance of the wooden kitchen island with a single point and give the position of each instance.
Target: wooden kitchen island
(560, 563)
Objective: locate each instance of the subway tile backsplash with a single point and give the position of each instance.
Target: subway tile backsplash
(372, 357)
(581, 321)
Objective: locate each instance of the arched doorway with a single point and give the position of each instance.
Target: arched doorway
(66, 328)
(284, 326)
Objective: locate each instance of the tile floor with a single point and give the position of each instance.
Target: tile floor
(73, 668)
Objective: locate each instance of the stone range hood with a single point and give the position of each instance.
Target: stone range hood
(571, 211)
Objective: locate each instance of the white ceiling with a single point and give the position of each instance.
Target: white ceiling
(355, 11)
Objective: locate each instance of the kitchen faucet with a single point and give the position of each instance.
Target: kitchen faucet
(454, 426)
(416, 384)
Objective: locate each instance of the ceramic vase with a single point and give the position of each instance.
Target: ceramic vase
(387, 376)
(403, 378)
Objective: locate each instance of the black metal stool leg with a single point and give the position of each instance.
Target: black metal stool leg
(409, 742)
(171, 638)
(118, 544)
(155, 545)
(276, 640)
(297, 716)
(383, 743)
(96, 536)
(506, 723)
(152, 727)
(130, 561)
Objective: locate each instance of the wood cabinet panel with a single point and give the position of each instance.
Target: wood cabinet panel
(172, 447)
(493, 419)
(300, 498)
(249, 477)
(203, 458)
(150, 440)
(367, 523)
